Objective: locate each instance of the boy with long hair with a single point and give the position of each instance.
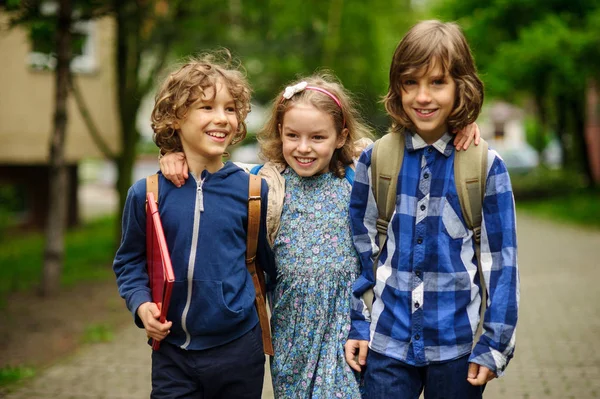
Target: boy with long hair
(419, 333)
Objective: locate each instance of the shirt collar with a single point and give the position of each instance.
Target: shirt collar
(444, 145)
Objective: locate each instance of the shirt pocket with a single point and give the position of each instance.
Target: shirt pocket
(453, 225)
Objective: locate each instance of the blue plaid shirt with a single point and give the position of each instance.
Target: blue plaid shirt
(428, 293)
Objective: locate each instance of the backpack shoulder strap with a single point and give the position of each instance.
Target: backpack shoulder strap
(152, 186)
(350, 174)
(470, 175)
(255, 170)
(386, 161)
(258, 279)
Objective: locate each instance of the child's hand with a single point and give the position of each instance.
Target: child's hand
(354, 360)
(479, 375)
(149, 314)
(174, 167)
(466, 136)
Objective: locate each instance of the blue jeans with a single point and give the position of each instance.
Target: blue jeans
(231, 371)
(387, 378)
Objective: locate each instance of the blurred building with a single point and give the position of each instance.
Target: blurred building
(27, 108)
(502, 125)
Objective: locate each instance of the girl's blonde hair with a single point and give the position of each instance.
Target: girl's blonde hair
(184, 87)
(345, 115)
(426, 45)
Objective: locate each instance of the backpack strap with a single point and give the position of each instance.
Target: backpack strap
(386, 161)
(152, 186)
(470, 176)
(349, 174)
(256, 169)
(258, 278)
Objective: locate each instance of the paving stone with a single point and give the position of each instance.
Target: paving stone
(557, 354)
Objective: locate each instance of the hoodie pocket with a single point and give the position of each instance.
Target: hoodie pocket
(204, 311)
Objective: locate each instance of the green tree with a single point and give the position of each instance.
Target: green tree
(539, 50)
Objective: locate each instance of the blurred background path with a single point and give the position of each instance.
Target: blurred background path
(557, 355)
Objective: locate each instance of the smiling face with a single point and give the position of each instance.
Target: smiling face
(428, 99)
(208, 128)
(309, 139)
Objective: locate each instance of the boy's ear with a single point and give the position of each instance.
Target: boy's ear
(341, 138)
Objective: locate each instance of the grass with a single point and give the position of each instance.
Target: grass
(95, 333)
(89, 251)
(10, 375)
(580, 207)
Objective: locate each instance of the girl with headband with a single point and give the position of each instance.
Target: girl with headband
(309, 142)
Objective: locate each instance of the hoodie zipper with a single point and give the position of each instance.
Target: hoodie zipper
(198, 209)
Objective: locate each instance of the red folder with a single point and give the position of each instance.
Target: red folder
(160, 270)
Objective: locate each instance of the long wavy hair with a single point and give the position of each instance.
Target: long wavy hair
(425, 45)
(346, 116)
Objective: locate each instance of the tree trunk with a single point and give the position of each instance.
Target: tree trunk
(540, 137)
(128, 90)
(592, 133)
(57, 202)
(562, 128)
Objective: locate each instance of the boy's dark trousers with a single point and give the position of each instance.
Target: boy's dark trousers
(231, 371)
(387, 378)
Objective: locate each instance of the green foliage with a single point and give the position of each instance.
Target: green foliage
(579, 207)
(95, 333)
(535, 134)
(9, 375)
(89, 251)
(544, 183)
(278, 41)
(537, 50)
(9, 205)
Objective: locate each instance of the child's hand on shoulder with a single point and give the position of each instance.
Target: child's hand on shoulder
(174, 167)
(466, 136)
(148, 312)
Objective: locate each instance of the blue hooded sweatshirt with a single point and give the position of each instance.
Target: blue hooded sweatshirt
(205, 223)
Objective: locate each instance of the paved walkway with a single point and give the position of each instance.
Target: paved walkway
(557, 356)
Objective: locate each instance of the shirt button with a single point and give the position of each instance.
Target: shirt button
(417, 337)
(423, 207)
(418, 273)
(426, 176)
(419, 240)
(430, 150)
(417, 305)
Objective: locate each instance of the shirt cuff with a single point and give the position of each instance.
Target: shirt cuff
(135, 301)
(360, 329)
(490, 358)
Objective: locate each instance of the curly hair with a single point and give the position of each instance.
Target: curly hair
(425, 45)
(347, 116)
(186, 86)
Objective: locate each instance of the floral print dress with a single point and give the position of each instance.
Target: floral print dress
(317, 265)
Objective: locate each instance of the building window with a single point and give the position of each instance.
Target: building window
(42, 56)
(499, 130)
